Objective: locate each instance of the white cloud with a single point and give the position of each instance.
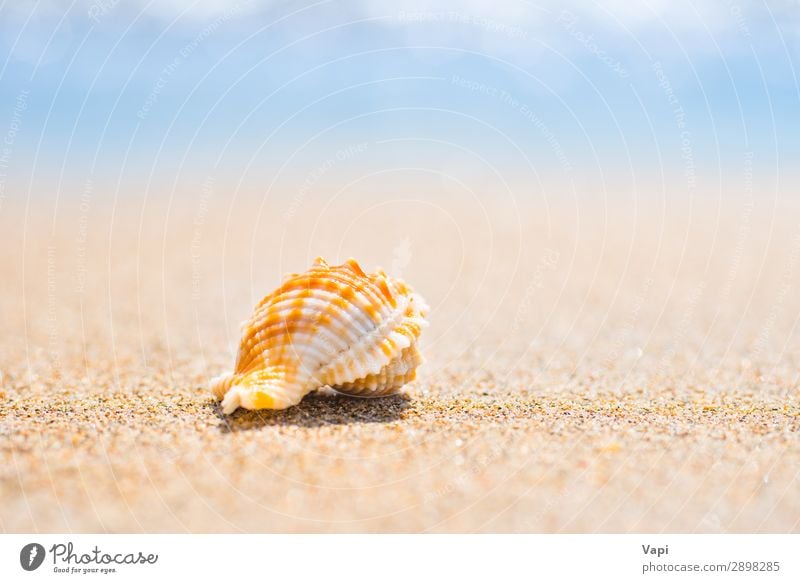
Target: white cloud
(507, 27)
(498, 27)
(202, 9)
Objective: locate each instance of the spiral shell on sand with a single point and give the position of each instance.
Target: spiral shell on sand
(331, 326)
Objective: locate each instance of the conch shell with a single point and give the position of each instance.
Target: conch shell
(330, 326)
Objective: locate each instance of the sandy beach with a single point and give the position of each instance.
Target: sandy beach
(592, 366)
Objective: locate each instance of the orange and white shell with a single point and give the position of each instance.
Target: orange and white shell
(330, 326)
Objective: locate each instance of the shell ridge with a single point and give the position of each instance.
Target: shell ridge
(399, 372)
(275, 331)
(367, 356)
(371, 330)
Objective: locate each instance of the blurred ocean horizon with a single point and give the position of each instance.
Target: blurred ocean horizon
(275, 98)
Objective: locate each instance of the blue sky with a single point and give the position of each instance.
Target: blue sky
(154, 94)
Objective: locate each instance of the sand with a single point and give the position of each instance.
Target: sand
(593, 366)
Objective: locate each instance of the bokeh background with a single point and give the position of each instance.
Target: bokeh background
(153, 97)
(599, 201)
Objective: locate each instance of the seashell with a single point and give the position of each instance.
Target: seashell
(330, 326)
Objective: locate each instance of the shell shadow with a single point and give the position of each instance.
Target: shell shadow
(318, 410)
